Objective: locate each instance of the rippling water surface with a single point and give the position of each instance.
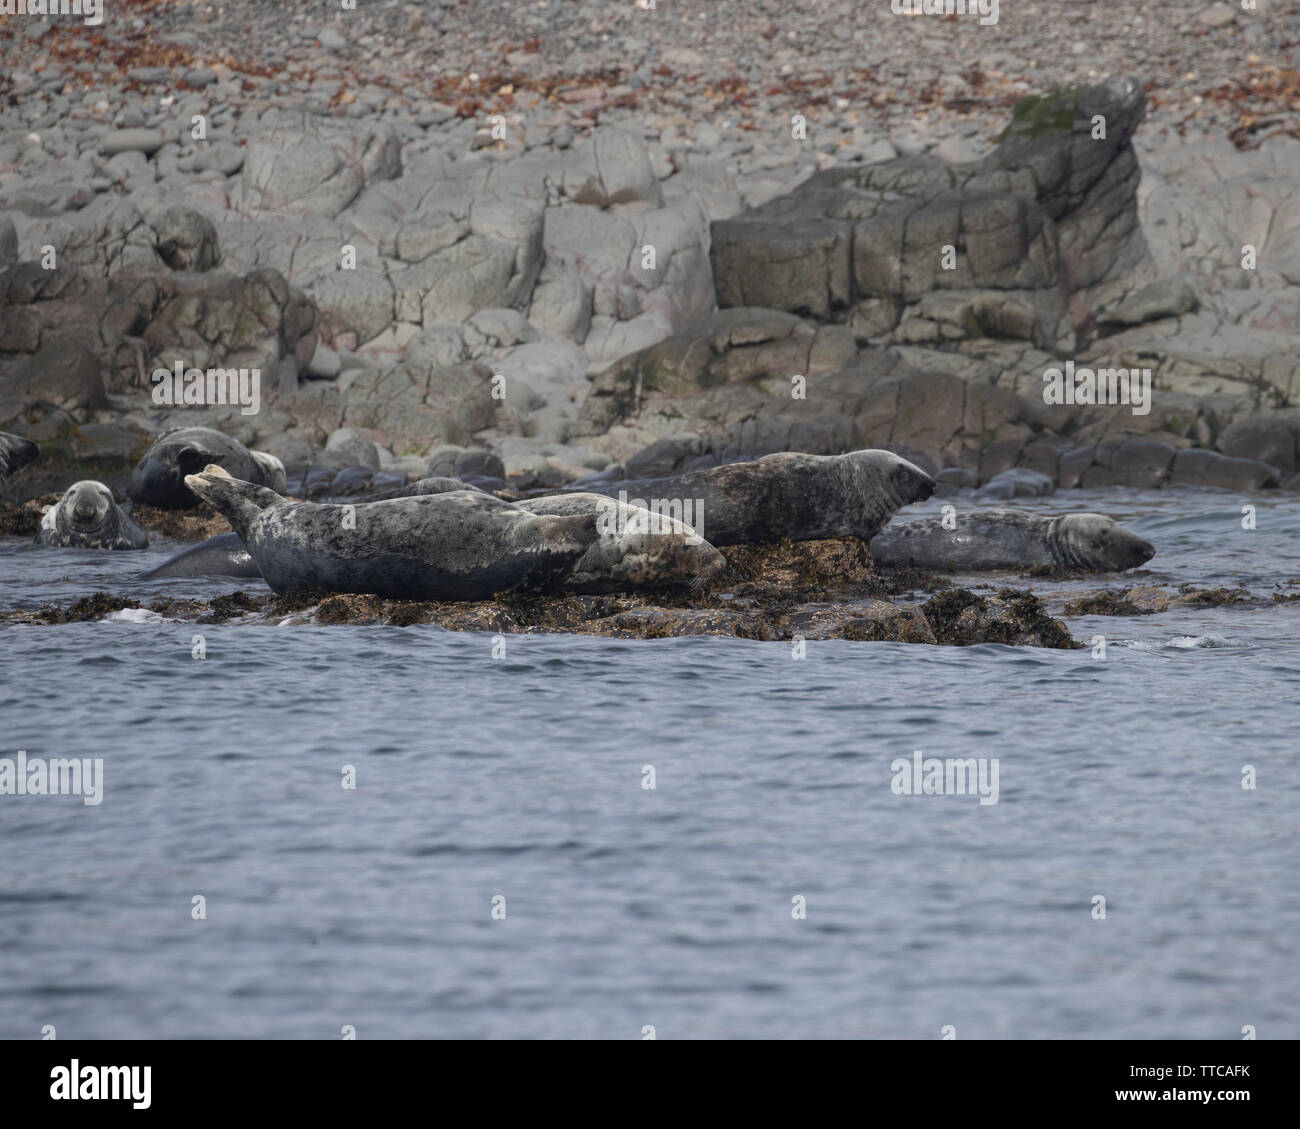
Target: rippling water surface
(522, 777)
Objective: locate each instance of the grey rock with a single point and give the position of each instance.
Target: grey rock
(132, 140)
(349, 444)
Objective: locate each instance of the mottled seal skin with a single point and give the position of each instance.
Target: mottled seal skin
(634, 548)
(15, 453)
(984, 540)
(159, 478)
(222, 555)
(227, 555)
(86, 517)
(458, 545)
(802, 497)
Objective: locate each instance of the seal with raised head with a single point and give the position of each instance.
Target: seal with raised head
(86, 517)
(15, 453)
(789, 494)
(634, 548)
(227, 555)
(159, 477)
(457, 545)
(985, 540)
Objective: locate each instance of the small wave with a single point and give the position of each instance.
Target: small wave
(1182, 643)
(134, 615)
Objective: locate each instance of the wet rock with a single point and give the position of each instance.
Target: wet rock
(483, 464)
(1208, 468)
(1018, 482)
(1015, 618)
(1261, 439)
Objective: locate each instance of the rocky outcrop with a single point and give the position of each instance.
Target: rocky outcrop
(918, 251)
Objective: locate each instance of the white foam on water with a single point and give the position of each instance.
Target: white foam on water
(134, 615)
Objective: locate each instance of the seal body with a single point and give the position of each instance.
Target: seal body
(802, 497)
(222, 555)
(15, 453)
(634, 548)
(985, 540)
(457, 545)
(159, 478)
(86, 517)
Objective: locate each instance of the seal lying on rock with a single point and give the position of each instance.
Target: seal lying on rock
(15, 453)
(158, 479)
(226, 555)
(459, 545)
(634, 547)
(802, 497)
(222, 555)
(86, 517)
(984, 540)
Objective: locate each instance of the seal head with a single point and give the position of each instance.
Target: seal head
(86, 517)
(1094, 543)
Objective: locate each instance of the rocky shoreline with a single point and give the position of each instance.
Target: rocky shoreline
(574, 245)
(572, 276)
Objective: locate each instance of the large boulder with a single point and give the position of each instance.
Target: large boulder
(1048, 214)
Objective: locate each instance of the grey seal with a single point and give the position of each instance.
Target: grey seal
(789, 494)
(15, 453)
(226, 555)
(993, 539)
(86, 517)
(158, 478)
(222, 555)
(634, 548)
(457, 545)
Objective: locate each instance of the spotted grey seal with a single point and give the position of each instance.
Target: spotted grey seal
(86, 517)
(458, 545)
(15, 453)
(634, 547)
(993, 539)
(789, 494)
(158, 478)
(222, 555)
(226, 555)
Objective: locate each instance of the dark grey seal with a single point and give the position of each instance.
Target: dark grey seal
(159, 478)
(802, 497)
(86, 517)
(15, 453)
(984, 540)
(458, 545)
(634, 548)
(222, 555)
